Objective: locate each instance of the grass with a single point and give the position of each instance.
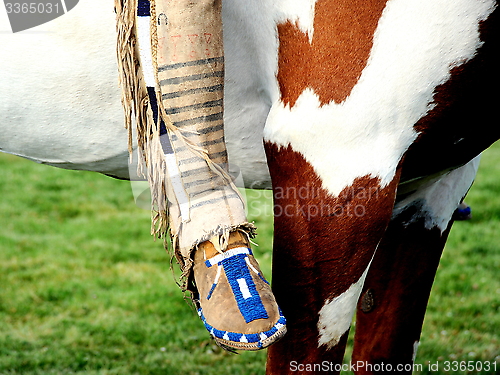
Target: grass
(84, 289)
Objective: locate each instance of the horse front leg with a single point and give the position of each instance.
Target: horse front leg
(323, 247)
(393, 302)
(394, 299)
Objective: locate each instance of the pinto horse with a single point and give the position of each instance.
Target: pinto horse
(373, 114)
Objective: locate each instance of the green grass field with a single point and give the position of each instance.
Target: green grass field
(84, 289)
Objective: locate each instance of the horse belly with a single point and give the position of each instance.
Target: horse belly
(60, 101)
(59, 95)
(250, 45)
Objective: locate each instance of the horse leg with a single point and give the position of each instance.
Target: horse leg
(323, 245)
(392, 307)
(394, 298)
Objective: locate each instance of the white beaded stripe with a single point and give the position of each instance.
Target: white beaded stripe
(245, 292)
(232, 252)
(217, 275)
(143, 34)
(251, 267)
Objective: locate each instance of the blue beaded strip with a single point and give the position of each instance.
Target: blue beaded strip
(464, 211)
(143, 8)
(244, 289)
(247, 337)
(211, 291)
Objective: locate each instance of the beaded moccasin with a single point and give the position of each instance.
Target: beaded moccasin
(235, 302)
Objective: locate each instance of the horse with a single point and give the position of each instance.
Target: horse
(365, 118)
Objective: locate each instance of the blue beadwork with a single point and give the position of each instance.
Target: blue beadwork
(250, 337)
(465, 211)
(252, 307)
(236, 268)
(211, 291)
(143, 9)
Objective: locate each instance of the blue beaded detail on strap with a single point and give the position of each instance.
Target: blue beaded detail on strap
(245, 338)
(238, 274)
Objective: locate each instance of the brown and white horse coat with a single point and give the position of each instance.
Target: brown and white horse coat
(364, 87)
(371, 112)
